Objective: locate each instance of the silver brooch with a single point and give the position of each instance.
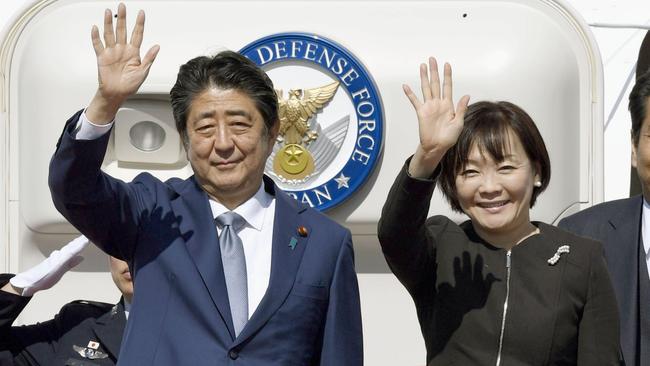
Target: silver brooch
(556, 257)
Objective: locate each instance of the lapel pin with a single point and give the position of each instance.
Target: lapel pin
(556, 257)
(302, 231)
(292, 243)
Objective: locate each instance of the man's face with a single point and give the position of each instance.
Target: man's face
(122, 277)
(641, 156)
(228, 144)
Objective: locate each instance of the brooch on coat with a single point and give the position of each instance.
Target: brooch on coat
(556, 257)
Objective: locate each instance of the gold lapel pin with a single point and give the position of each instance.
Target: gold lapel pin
(302, 231)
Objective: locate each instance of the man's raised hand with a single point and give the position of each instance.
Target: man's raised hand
(120, 69)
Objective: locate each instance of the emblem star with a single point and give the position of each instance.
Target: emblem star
(293, 154)
(342, 181)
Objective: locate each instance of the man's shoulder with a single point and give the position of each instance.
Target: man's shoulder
(172, 186)
(315, 221)
(605, 210)
(319, 218)
(148, 178)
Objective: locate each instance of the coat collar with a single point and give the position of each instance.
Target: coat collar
(109, 329)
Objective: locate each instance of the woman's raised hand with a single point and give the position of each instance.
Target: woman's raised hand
(439, 123)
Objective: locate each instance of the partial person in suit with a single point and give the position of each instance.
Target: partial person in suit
(83, 333)
(229, 269)
(623, 226)
(497, 289)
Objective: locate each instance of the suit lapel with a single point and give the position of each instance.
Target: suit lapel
(197, 225)
(623, 263)
(109, 329)
(625, 232)
(284, 262)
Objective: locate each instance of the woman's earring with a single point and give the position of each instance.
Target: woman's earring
(538, 184)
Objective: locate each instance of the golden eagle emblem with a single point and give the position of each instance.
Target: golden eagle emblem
(294, 161)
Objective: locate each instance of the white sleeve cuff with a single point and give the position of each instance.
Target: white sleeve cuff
(86, 130)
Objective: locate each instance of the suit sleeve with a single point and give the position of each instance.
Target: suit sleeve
(598, 333)
(103, 208)
(342, 336)
(407, 243)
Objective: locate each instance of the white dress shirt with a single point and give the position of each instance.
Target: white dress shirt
(127, 309)
(86, 130)
(256, 235)
(645, 232)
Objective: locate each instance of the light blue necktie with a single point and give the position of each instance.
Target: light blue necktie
(234, 267)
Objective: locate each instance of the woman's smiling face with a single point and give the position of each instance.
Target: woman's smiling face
(496, 195)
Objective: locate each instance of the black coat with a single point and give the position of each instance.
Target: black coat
(561, 314)
(59, 341)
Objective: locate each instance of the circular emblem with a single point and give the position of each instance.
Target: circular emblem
(331, 117)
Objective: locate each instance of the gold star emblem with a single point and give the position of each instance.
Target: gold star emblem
(293, 155)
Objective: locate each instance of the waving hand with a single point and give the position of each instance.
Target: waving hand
(119, 67)
(439, 123)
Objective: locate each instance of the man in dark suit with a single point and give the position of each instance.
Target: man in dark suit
(623, 226)
(83, 333)
(229, 269)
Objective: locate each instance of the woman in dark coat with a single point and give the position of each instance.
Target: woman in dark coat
(497, 289)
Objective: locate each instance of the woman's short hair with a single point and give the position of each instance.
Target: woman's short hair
(487, 126)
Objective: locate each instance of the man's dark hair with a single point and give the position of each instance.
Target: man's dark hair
(226, 70)
(487, 126)
(638, 104)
